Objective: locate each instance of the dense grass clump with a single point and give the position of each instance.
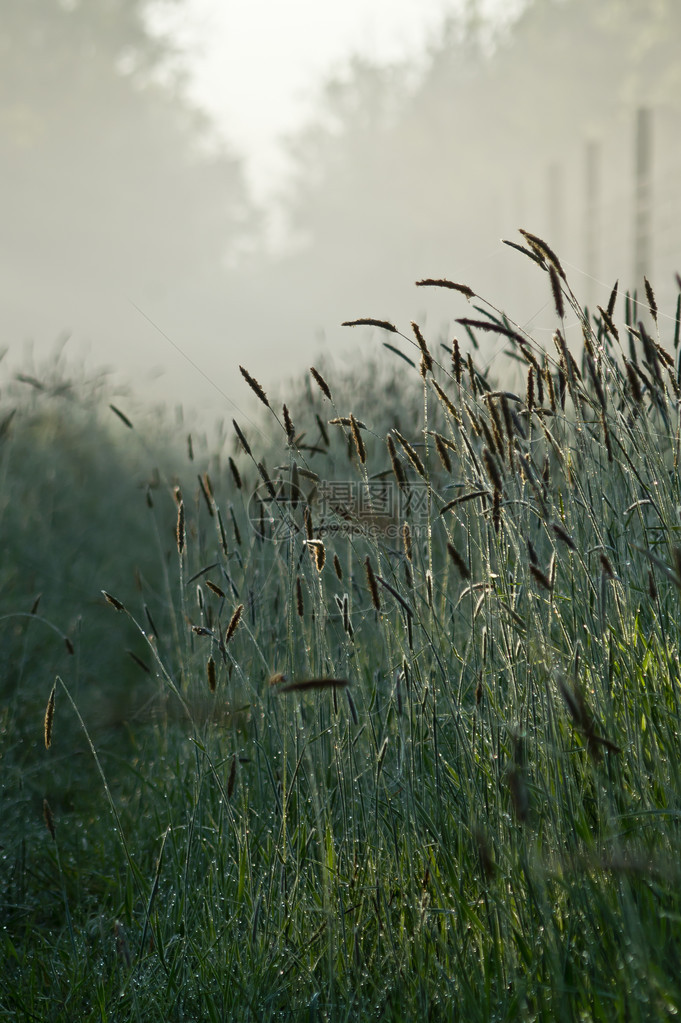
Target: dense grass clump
(411, 747)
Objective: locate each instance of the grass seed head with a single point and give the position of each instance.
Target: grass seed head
(474, 421)
(48, 817)
(307, 521)
(542, 578)
(255, 386)
(206, 489)
(496, 510)
(235, 473)
(113, 601)
(371, 580)
(231, 781)
(180, 533)
(150, 620)
(242, 439)
(211, 674)
(543, 250)
(318, 553)
(472, 375)
(222, 536)
(448, 404)
(357, 437)
(321, 382)
(613, 299)
(406, 540)
(345, 610)
(427, 358)
(650, 295)
(234, 623)
(608, 322)
(563, 535)
(539, 380)
(288, 424)
(214, 588)
(265, 477)
(442, 283)
(557, 292)
(497, 429)
(139, 662)
(443, 454)
(306, 685)
(49, 717)
(411, 454)
(121, 415)
(550, 388)
(368, 321)
(562, 383)
(456, 360)
(397, 467)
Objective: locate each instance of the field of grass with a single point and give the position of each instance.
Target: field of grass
(367, 708)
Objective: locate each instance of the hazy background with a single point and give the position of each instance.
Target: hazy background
(192, 184)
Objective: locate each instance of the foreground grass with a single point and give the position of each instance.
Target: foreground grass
(408, 740)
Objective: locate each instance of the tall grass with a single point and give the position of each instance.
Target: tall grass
(412, 741)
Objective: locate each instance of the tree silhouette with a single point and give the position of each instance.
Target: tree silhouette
(106, 168)
(491, 136)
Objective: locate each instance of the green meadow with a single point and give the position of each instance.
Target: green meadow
(367, 706)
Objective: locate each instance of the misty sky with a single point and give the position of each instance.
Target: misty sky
(122, 235)
(257, 68)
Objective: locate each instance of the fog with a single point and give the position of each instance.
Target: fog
(130, 237)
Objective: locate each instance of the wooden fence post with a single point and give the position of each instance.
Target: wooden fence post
(643, 197)
(592, 227)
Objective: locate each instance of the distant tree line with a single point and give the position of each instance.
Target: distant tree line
(392, 172)
(105, 165)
